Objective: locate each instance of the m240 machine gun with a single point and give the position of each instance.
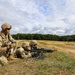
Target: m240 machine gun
(39, 52)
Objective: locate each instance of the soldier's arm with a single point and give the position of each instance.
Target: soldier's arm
(11, 39)
(2, 49)
(13, 42)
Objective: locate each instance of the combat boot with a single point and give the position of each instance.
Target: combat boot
(3, 60)
(11, 58)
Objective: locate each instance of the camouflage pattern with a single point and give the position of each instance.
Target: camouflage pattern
(24, 44)
(33, 42)
(21, 53)
(4, 41)
(3, 60)
(5, 25)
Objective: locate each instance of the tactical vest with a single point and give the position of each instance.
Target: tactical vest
(5, 40)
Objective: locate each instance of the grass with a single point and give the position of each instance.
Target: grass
(56, 63)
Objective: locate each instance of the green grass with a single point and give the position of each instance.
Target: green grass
(56, 63)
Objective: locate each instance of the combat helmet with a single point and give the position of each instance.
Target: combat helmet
(24, 44)
(6, 26)
(33, 42)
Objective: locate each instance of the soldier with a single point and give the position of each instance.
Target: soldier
(23, 51)
(33, 44)
(6, 41)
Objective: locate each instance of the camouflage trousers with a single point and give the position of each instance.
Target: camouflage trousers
(3, 60)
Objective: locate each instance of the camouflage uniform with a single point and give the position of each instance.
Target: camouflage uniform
(4, 40)
(22, 52)
(33, 44)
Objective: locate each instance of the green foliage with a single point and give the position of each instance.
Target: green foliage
(43, 37)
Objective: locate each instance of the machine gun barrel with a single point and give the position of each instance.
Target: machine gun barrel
(38, 52)
(45, 50)
(41, 50)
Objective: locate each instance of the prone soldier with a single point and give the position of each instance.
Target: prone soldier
(33, 44)
(23, 51)
(38, 52)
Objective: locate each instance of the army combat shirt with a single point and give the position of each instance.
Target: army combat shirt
(3, 40)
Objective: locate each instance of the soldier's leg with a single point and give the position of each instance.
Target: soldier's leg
(11, 55)
(3, 60)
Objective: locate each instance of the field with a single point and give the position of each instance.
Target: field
(60, 62)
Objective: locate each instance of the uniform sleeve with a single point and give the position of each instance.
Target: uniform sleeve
(20, 52)
(2, 49)
(12, 40)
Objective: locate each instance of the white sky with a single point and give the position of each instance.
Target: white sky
(39, 16)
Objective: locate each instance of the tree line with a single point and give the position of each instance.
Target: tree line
(20, 36)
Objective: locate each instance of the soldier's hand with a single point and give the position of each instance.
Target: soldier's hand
(8, 47)
(28, 48)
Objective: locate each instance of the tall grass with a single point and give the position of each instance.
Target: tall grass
(56, 63)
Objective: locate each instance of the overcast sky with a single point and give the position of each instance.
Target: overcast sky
(39, 16)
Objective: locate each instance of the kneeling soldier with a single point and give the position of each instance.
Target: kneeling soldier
(5, 39)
